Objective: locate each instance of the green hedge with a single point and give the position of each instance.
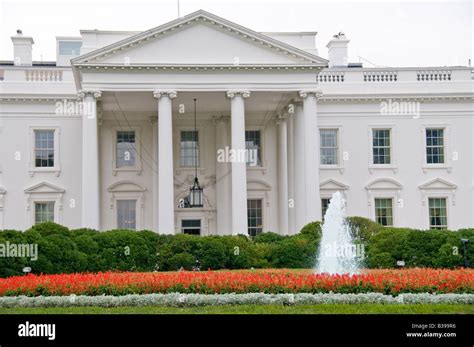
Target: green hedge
(63, 251)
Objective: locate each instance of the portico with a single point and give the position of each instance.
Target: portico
(248, 87)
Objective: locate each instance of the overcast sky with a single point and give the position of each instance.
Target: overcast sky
(388, 33)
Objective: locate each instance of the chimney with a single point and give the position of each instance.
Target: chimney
(22, 49)
(337, 50)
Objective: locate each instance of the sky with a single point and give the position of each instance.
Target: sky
(382, 33)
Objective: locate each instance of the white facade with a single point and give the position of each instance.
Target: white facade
(397, 142)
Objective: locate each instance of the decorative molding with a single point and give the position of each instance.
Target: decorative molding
(125, 186)
(232, 93)
(96, 94)
(157, 94)
(305, 93)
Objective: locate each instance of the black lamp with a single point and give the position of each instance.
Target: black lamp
(196, 191)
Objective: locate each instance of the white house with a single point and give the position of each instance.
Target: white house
(105, 136)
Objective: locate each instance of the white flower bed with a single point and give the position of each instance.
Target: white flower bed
(189, 300)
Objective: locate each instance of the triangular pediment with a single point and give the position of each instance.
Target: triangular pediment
(44, 187)
(199, 38)
(331, 184)
(384, 183)
(438, 183)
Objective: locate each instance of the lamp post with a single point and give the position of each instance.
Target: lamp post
(464, 247)
(196, 191)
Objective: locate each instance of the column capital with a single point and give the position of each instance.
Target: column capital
(169, 93)
(305, 93)
(244, 93)
(281, 118)
(224, 119)
(89, 92)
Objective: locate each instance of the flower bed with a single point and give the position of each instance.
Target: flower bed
(194, 300)
(390, 282)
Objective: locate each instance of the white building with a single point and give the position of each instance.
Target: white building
(398, 142)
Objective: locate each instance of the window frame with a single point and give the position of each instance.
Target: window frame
(191, 219)
(43, 201)
(337, 148)
(447, 165)
(263, 158)
(393, 153)
(56, 168)
(446, 199)
(117, 201)
(262, 208)
(392, 207)
(137, 168)
(340, 153)
(199, 149)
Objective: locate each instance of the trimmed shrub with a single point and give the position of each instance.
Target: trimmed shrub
(84, 250)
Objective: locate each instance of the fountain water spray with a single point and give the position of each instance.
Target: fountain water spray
(337, 252)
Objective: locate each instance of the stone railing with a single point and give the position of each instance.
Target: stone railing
(43, 75)
(380, 76)
(433, 75)
(394, 75)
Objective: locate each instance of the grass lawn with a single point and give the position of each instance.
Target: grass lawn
(252, 309)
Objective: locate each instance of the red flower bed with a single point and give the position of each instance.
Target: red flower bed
(245, 281)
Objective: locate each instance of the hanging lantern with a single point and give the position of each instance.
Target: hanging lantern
(195, 194)
(196, 191)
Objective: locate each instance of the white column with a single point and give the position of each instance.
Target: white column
(90, 160)
(239, 168)
(282, 175)
(223, 192)
(165, 162)
(291, 176)
(299, 167)
(311, 137)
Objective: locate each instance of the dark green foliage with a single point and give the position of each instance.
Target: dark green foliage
(83, 250)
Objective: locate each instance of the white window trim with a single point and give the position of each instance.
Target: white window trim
(340, 153)
(200, 218)
(34, 198)
(263, 158)
(447, 165)
(56, 169)
(177, 149)
(138, 196)
(259, 195)
(138, 162)
(393, 154)
(381, 195)
(449, 202)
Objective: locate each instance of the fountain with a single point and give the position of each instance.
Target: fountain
(337, 252)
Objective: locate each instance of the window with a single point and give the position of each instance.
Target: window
(191, 226)
(254, 216)
(438, 213)
(44, 148)
(189, 148)
(126, 214)
(254, 147)
(381, 146)
(126, 148)
(69, 47)
(435, 146)
(384, 211)
(328, 146)
(44, 212)
(324, 206)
